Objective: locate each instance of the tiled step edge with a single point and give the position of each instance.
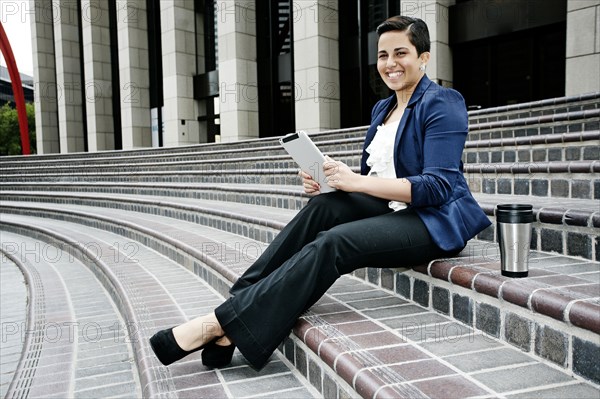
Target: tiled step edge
(266, 144)
(535, 167)
(535, 120)
(564, 230)
(336, 148)
(504, 308)
(556, 215)
(540, 139)
(576, 224)
(535, 104)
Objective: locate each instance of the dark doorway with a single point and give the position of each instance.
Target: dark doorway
(206, 83)
(508, 52)
(275, 67)
(514, 68)
(360, 84)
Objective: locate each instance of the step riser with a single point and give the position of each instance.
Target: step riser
(561, 238)
(484, 117)
(561, 147)
(522, 128)
(258, 230)
(200, 148)
(566, 152)
(292, 200)
(573, 238)
(551, 185)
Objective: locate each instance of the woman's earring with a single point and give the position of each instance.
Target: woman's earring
(422, 68)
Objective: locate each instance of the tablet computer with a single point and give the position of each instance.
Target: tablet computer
(307, 156)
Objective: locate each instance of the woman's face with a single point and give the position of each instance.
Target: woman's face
(398, 62)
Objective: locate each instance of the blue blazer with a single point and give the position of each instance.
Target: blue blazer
(427, 152)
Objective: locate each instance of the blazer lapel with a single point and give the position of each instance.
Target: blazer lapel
(416, 96)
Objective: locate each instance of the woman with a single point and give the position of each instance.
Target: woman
(410, 202)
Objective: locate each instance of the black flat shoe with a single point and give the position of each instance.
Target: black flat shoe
(166, 348)
(217, 356)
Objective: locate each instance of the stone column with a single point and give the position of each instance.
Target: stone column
(583, 47)
(68, 76)
(316, 65)
(238, 102)
(98, 76)
(179, 66)
(44, 77)
(435, 13)
(134, 75)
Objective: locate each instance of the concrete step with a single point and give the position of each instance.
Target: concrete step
(566, 123)
(550, 106)
(74, 341)
(560, 147)
(286, 197)
(563, 105)
(573, 179)
(580, 146)
(372, 345)
(232, 224)
(182, 151)
(565, 226)
(162, 294)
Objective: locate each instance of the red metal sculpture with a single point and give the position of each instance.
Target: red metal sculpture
(15, 79)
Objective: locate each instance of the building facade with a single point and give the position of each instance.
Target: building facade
(125, 74)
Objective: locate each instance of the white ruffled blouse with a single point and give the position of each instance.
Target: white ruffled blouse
(381, 156)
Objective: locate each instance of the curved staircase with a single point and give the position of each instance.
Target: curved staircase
(101, 250)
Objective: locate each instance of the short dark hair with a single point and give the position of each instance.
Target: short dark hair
(416, 29)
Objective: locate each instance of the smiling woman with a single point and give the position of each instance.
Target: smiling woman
(410, 202)
(401, 64)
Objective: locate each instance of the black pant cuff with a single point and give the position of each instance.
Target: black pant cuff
(241, 336)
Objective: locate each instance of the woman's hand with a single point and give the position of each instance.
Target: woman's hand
(310, 186)
(340, 176)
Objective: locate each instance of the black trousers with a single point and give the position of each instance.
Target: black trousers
(334, 234)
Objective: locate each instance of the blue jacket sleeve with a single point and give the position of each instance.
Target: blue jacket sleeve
(445, 130)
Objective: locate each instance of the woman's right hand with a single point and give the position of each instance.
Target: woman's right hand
(310, 186)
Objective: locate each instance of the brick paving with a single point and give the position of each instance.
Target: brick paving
(378, 343)
(162, 294)
(84, 349)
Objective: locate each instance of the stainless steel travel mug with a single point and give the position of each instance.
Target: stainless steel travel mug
(513, 227)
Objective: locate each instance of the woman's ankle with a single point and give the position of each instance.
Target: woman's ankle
(224, 341)
(197, 332)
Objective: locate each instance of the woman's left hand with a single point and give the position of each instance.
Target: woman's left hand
(340, 176)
